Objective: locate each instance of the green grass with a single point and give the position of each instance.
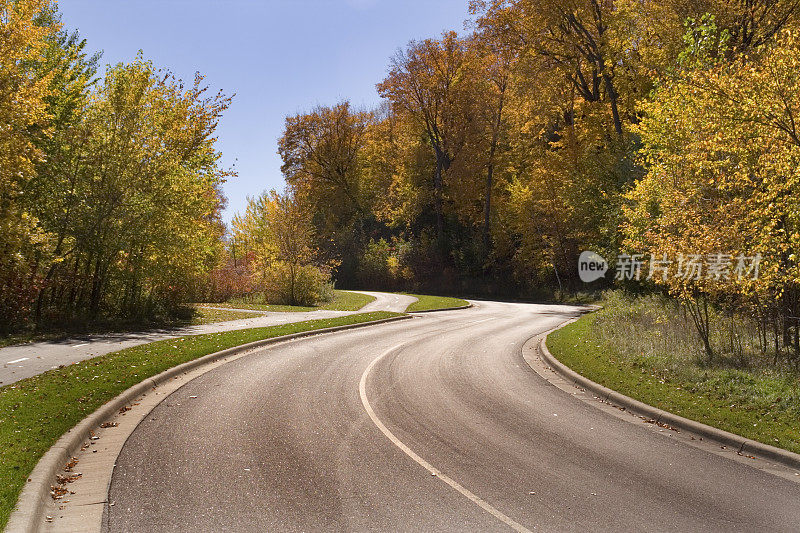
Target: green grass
(211, 316)
(29, 336)
(200, 316)
(631, 352)
(342, 301)
(428, 303)
(273, 308)
(347, 301)
(35, 412)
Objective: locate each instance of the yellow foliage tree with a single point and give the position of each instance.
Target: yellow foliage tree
(23, 111)
(723, 153)
(277, 229)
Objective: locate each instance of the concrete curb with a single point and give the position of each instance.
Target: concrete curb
(27, 515)
(731, 440)
(443, 309)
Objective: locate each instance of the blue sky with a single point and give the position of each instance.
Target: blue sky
(279, 57)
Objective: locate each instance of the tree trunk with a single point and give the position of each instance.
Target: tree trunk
(437, 198)
(94, 301)
(612, 96)
(292, 298)
(487, 207)
(698, 309)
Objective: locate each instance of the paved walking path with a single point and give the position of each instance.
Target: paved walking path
(25, 360)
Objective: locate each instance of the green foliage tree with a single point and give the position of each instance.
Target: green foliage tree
(277, 228)
(110, 197)
(141, 193)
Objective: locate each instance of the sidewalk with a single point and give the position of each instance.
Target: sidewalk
(25, 360)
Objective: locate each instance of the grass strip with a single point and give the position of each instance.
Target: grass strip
(205, 315)
(342, 301)
(35, 412)
(755, 405)
(429, 303)
(347, 301)
(273, 308)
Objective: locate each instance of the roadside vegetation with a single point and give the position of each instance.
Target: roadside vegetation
(110, 184)
(645, 347)
(431, 303)
(35, 412)
(341, 301)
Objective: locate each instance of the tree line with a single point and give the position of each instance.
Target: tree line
(110, 201)
(649, 128)
(661, 131)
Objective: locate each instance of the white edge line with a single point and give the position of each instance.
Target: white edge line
(362, 391)
(79, 345)
(17, 361)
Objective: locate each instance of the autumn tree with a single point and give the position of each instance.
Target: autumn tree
(322, 163)
(23, 111)
(577, 38)
(428, 83)
(655, 29)
(570, 101)
(320, 152)
(495, 61)
(277, 228)
(723, 151)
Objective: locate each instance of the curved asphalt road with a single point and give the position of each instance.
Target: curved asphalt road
(296, 437)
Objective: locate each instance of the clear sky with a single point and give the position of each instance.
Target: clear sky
(279, 57)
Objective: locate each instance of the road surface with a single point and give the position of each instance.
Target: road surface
(25, 360)
(430, 424)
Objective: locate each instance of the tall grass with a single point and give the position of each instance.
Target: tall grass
(656, 335)
(654, 325)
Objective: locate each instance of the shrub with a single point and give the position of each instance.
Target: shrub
(374, 269)
(382, 265)
(292, 284)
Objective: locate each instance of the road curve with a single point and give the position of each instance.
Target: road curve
(431, 424)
